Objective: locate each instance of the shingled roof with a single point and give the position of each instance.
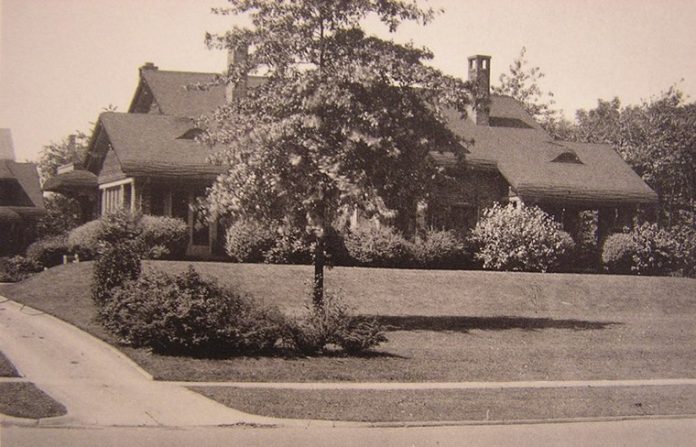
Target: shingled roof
(151, 145)
(76, 180)
(174, 92)
(541, 169)
(27, 177)
(514, 144)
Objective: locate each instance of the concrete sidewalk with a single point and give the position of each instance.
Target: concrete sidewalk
(97, 384)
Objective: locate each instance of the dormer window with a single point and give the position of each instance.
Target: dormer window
(567, 157)
(191, 134)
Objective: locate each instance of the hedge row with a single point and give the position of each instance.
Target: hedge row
(375, 246)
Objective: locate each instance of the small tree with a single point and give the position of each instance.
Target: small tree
(71, 149)
(522, 83)
(344, 121)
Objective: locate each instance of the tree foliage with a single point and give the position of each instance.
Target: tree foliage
(345, 120)
(71, 149)
(658, 139)
(522, 83)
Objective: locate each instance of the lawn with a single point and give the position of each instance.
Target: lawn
(459, 405)
(25, 400)
(443, 325)
(7, 369)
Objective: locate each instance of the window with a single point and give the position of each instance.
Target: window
(117, 197)
(567, 157)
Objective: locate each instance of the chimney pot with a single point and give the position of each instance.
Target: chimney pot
(237, 56)
(480, 78)
(148, 66)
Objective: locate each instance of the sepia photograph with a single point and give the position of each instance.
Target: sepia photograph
(347, 223)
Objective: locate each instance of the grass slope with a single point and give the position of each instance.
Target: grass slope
(444, 325)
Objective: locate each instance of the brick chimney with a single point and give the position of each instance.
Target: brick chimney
(236, 56)
(148, 66)
(480, 78)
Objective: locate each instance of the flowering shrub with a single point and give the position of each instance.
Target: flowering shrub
(378, 246)
(650, 250)
(186, 314)
(520, 239)
(248, 240)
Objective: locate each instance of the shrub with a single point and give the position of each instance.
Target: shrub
(17, 268)
(117, 263)
(49, 251)
(84, 240)
(332, 323)
(163, 237)
(188, 314)
(686, 252)
(648, 250)
(520, 239)
(439, 249)
(375, 246)
(119, 226)
(294, 246)
(617, 253)
(248, 240)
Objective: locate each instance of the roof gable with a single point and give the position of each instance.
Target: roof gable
(147, 144)
(25, 177)
(175, 93)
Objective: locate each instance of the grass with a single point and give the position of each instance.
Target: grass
(444, 325)
(7, 369)
(25, 400)
(458, 405)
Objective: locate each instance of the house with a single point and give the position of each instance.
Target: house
(148, 159)
(21, 200)
(512, 159)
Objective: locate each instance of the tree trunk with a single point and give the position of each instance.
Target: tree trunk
(319, 271)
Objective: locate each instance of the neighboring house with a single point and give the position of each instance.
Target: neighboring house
(21, 200)
(148, 159)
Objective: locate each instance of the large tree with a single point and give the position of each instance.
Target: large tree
(344, 121)
(658, 139)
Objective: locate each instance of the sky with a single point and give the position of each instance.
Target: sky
(63, 61)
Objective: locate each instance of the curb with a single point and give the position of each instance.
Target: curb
(400, 386)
